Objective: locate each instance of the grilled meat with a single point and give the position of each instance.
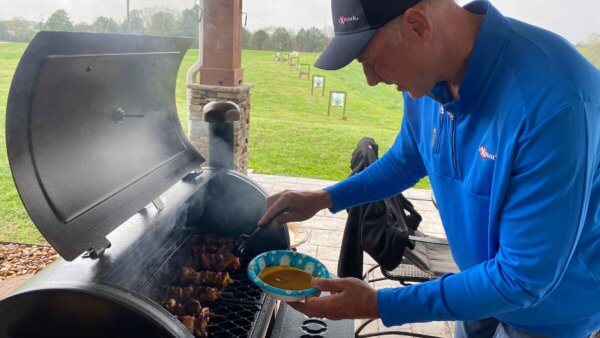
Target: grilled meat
(218, 262)
(200, 293)
(197, 325)
(206, 278)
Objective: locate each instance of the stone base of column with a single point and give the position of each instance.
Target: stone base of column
(198, 129)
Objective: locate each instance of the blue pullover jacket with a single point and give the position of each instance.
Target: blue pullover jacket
(514, 164)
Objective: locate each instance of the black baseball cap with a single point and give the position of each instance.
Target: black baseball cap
(355, 22)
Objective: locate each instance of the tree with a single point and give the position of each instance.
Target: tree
(246, 38)
(594, 39)
(310, 40)
(106, 25)
(59, 21)
(137, 25)
(163, 23)
(19, 29)
(260, 40)
(188, 23)
(146, 15)
(83, 27)
(591, 49)
(281, 39)
(3, 31)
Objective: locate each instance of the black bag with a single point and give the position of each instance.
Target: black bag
(380, 228)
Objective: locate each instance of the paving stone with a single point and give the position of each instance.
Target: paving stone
(323, 223)
(372, 327)
(340, 215)
(368, 260)
(366, 267)
(418, 194)
(308, 249)
(331, 265)
(326, 238)
(329, 253)
(438, 329)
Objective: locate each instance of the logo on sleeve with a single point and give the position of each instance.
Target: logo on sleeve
(485, 155)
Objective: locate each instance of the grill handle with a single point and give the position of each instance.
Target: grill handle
(220, 116)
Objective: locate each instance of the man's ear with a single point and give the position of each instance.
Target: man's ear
(417, 26)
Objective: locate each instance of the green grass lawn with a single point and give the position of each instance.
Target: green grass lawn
(15, 224)
(290, 132)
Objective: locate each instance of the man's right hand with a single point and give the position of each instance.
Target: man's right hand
(301, 205)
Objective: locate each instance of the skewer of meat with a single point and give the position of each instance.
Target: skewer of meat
(191, 307)
(212, 244)
(197, 325)
(207, 278)
(212, 248)
(214, 239)
(218, 262)
(207, 294)
(209, 258)
(200, 293)
(179, 293)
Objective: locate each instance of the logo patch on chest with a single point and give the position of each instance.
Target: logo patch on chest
(485, 154)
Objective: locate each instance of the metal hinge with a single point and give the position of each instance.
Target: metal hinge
(192, 176)
(158, 204)
(94, 254)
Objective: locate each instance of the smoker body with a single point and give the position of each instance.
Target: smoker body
(112, 295)
(111, 181)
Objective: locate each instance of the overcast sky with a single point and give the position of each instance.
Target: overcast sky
(574, 19)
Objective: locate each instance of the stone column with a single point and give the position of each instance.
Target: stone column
(221, 77)
(198, 129)
(222, 51)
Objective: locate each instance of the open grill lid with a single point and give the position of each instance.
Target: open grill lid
(92, 132)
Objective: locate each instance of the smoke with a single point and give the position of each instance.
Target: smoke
(151, 237)
(219, 201)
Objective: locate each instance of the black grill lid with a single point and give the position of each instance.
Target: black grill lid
(92, 132)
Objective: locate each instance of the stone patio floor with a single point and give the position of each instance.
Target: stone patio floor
(326, 230)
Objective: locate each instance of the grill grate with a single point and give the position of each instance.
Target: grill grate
(235, 320)
(236, 313)
(243, 290)
(243, 309)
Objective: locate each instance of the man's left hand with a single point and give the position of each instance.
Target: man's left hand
(350, 298)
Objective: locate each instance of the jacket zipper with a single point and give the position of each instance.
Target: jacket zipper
(440, 131)
(453, 122)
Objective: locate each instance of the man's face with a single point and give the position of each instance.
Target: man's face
(391, 59)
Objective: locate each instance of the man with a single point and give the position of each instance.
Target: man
(504, 118)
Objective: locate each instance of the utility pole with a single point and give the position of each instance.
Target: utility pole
(128, 22)
(324, 35)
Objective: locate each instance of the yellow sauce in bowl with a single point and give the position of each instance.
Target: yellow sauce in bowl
(286, 277)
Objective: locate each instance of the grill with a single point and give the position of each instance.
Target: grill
(109, 178)
(240, 312)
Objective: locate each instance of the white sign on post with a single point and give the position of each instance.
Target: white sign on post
(318, 81)
(338, 99)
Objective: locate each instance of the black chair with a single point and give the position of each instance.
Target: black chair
(430, 259)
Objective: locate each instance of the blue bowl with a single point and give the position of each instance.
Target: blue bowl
(286, 258)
